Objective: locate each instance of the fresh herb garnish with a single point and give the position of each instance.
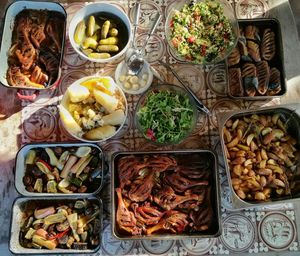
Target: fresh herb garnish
(166, 116)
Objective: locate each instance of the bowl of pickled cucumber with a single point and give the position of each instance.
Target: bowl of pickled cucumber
(100, 32)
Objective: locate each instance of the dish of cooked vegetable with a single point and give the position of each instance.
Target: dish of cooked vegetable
(93, 108)
(166, 114)
(62, 170)
(201, 32)
(100, 36)
(67, 225)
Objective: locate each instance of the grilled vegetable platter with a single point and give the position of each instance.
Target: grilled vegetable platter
(53, 225)
(60, 168)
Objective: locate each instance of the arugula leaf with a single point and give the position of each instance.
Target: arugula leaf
(166, 116)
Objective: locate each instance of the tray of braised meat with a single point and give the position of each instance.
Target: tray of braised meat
(32, 45)
(255, 66)
(165, 194)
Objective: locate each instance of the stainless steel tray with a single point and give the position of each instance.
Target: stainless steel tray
(293, 129)
(20, 168)
(216, 228)
(277, 61)
(17, 218)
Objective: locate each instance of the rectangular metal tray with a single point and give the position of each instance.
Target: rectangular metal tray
(293, 129)
(17, 218)
(20, 168)
(216, 228)
(11, 13)
(277, 61)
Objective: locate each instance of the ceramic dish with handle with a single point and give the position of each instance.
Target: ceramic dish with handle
(45, 169)
(28, 234)
(47, 73)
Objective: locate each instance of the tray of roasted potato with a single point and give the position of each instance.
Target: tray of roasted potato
(261, 149)
(255, 66)
(165, 195)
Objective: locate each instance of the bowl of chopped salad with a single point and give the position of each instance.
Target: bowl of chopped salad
(202, 31)
(166, 114)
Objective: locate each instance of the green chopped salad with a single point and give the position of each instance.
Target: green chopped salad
(166, 116)
(201, 32)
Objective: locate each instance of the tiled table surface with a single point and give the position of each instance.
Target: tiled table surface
(244, 232)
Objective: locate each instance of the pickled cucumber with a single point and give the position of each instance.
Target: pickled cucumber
(109, 41)
(105, 29)
(107, 48)
(79, 32)
(97, 55)
(91, 26)
(89, 43)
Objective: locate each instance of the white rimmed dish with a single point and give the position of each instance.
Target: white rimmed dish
(95, 9)
(66, 101)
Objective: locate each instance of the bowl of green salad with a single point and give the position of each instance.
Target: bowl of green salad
(201, 31)
(166, 114)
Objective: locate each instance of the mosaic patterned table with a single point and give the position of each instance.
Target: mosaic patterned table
(265, 229)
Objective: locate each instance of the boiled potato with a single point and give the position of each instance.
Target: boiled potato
(78, 93)
(110, 103)
(115, 118)
(69, 121)
(100, 133)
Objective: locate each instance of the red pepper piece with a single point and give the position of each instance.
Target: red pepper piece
(45, 163)
(59, 235)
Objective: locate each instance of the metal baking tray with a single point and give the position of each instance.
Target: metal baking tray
(11, 12)
(292, 110)
(21, 204)
(216, 228)
(277, 61)
(20, 168)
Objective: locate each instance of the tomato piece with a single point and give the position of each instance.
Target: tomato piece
(203, 50)
(191, 39)
(172, 23)
(175, 42)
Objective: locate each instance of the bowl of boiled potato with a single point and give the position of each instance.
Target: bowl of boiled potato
(93, 109)
(100, 32)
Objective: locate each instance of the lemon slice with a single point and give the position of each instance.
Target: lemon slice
(103, 84)
(83, 151)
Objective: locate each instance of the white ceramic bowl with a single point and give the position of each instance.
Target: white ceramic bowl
(66, 100)
(122, 69)
(96, 8)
